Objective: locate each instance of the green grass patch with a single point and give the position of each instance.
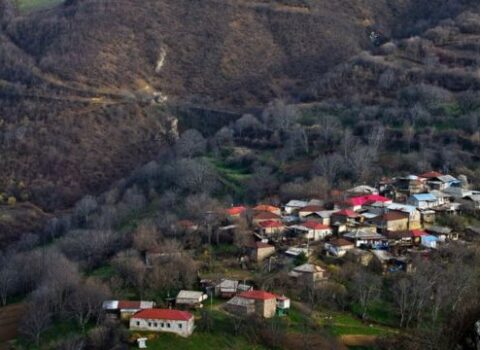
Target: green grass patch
(31, 5)
(380, 312)
(219, 338)
(232, 177)
(104, 272)
(343, 324)
(201, 341)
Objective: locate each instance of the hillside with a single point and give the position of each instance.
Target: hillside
(83, 85)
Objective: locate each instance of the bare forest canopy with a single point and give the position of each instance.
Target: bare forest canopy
(86, 87)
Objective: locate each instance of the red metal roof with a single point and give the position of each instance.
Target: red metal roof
(266, 215)
(265, 207)
(128, 304)
(163, 314)
(418, 233)
(270, 224)
(257, 295)
(313, 225)
(430, 175)
(236, 210)
(361, 200)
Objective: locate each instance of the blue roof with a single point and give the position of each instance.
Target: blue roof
(424, 197)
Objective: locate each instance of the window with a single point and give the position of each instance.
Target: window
(168, 325)
(155, 324)
(162, 324)
(149, 324)
(180, 325)
(138, 323)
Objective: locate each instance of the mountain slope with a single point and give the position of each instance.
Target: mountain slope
(83, 85)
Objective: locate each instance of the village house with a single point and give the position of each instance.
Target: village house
(442, 233)
(322, 216)
(338, 247)
(236, 212)
(298, 250)
(308, 210)
(471, 201)
(344, 216)
(312, 230)
(423, 200)
(414, 216)
(392, 221)
(271, 227)
(359, 256)
(226, 288)
(363, 239)
(356, 203)
(126, 308)
(283, 305)
(429, 241)
(263, 304)
(308, 274)
(260, 251)
(268, 208)
(265, 216)
(402, 238)
(361, 190)
(408, 185)
(293, 206)
(417, 236)
(163, 320)
(437, 181)
(190, 299)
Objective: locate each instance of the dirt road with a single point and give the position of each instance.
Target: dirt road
(9, 318)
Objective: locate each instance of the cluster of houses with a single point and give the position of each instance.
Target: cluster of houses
(388, 223)
(397, 217)
(243, 300)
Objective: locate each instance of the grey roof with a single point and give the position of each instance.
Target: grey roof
(241, 301)
(474, 197)
(228, 284)
(363, 189)
(447, 178)
(296, 203)
(363, 235)
(110, 305)
(382, 255)
(308, 268)
(190, 294)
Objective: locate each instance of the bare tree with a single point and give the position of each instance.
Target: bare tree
(190, 144)
(85, 303)
(329, 166)
(280, 116)
(366, 289)
(8, 278)
(37, 319)
(84, 207)
(247, 123)
(195, 175)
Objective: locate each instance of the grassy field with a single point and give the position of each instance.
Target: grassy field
(30, 5)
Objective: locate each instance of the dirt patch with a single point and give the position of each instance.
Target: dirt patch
(358, 340)
(9, 319)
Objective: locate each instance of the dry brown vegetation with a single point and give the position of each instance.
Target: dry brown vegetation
(78, 82)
